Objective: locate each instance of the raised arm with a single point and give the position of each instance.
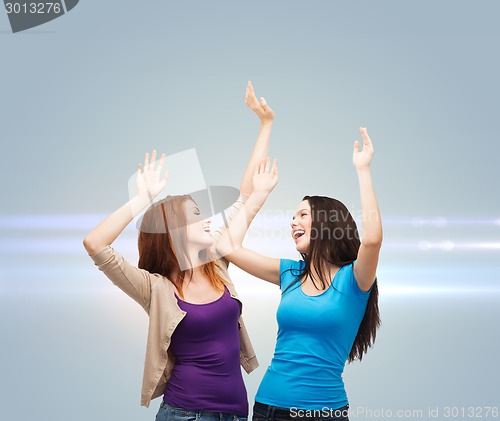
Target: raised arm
(365, 267)
(261, 147)
(265, 179)
(150, 183)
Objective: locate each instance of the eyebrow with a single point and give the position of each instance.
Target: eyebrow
(296, 213)
(196, 208)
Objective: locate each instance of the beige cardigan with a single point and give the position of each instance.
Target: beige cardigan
(155, 294)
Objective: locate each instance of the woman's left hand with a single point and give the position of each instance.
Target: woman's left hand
(263, 111)
(362, 159)
(265, 176)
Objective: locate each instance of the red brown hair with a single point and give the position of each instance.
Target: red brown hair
(163, 244)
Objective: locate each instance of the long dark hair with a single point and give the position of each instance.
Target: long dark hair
(335, 241)
(162, 245)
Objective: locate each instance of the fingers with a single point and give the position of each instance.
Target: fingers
(264, 166)
(150, 163)
(162, 161)
(267, 165)
(260, 167)
(247, 93)
(250, 98)
(263, 103)
(250, 89)
(364, 134)
(356, 146)
(274, 170)
(257, 169)
(152, 160)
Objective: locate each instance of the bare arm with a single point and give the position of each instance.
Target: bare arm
(365, 267)
(261, 147)
(149, 184)
(264, 180)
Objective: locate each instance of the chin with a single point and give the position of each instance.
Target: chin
(209, 243)
(202, 243)
(301, 248)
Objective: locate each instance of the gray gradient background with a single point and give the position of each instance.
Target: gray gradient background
(84, 96)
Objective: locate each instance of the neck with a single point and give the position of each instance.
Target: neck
(194, 256)
(194, 274)
(196, 266)
(327, 268)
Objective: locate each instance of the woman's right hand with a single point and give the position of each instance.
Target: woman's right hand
(362, 159)
(263, 111)
(265, 177)
(150, 182)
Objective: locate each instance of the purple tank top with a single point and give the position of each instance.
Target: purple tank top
(206, 347)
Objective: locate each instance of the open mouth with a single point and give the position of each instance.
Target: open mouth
(207, 229)
(298, 233)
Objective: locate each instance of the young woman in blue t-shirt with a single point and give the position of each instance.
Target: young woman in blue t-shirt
(328, 312)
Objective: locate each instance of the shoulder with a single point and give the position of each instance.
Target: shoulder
(346, 281)
(287, 264)
(289, 271)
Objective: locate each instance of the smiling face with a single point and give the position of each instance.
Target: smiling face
(198, 228)
(301, 227)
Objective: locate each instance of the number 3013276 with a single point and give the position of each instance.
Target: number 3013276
(33, 8)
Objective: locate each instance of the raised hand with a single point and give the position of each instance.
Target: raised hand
(361, 159)
(265, 177)
(263, 111)
(150, 182)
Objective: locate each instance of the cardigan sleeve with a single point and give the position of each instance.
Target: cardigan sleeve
(135, 282)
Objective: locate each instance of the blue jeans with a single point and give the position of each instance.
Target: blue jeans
(171, 413)
(263, 412)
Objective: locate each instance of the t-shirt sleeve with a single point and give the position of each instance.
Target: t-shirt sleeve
(135, 282)
(353, 284)
(289, 271)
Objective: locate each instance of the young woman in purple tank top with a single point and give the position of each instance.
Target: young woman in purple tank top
(328, 312)
(197, 339)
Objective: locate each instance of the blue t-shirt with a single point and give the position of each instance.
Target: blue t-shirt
(315, 337)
